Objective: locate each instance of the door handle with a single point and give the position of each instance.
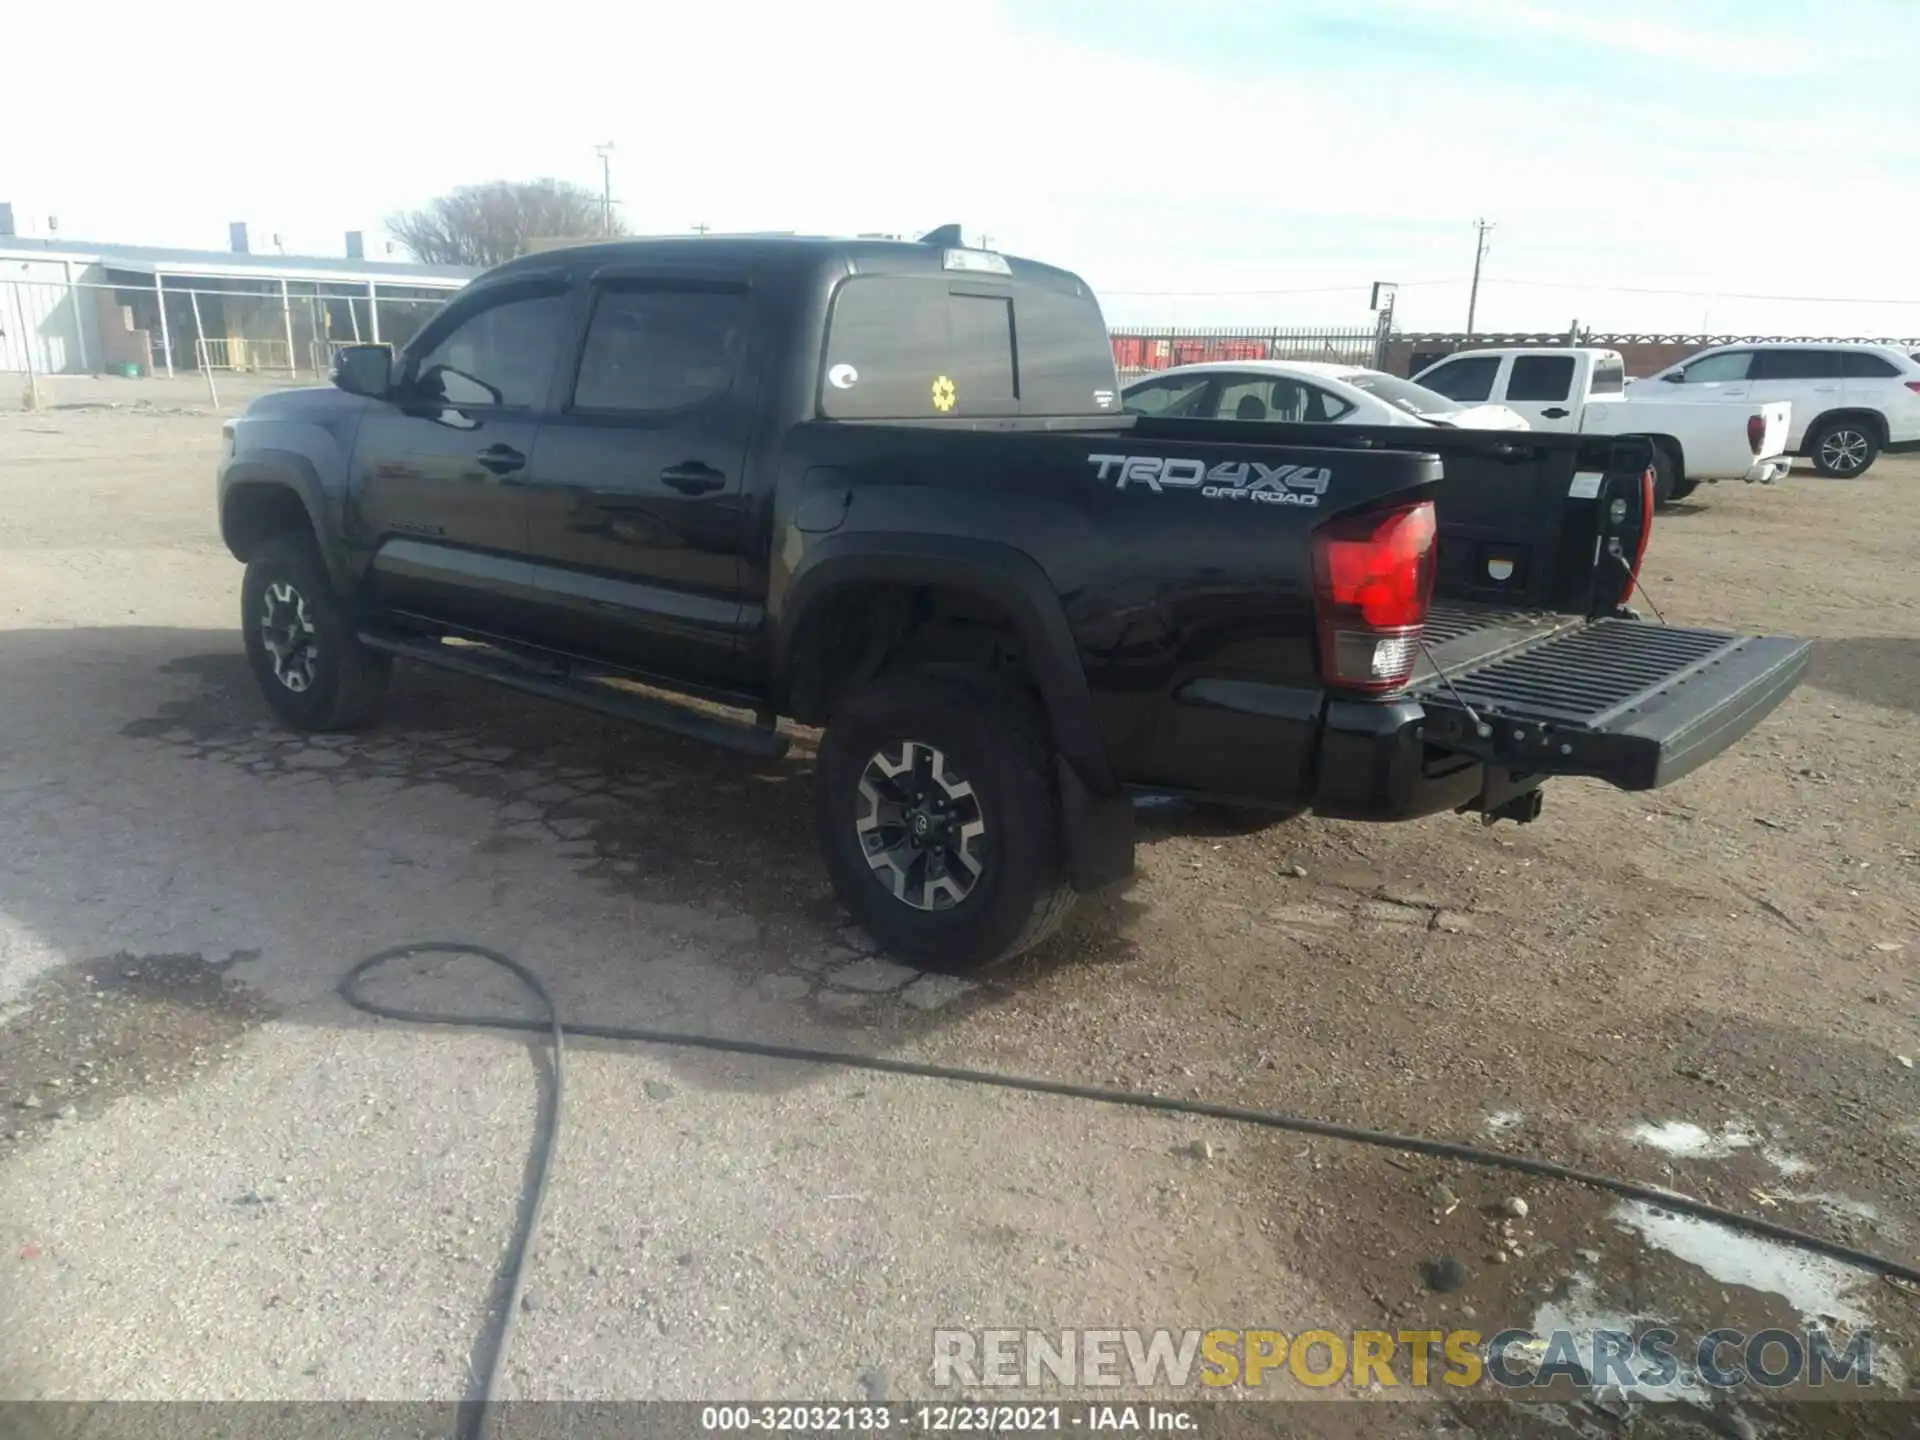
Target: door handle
(501, 459)
(692, 478)
(1557, 412)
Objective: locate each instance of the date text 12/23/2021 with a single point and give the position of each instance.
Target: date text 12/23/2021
(948, 1419)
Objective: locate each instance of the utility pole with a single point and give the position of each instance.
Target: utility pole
(605, 152)
(702, 228)
(1481, 227)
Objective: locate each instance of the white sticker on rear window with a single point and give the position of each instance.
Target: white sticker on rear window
(1586, 485)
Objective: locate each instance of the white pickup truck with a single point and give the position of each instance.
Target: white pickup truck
(1584, 389)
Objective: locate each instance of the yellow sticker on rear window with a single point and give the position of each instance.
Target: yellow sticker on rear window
(944, 395)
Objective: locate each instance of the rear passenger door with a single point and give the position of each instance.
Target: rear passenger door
(1540, 387)
(1810, 380)
(635, 495)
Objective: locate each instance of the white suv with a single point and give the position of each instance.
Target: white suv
(1850, 401)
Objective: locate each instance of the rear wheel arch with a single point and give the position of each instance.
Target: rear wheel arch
(1671, 447)
(1871, 420)
(892, 590)
(854, 614)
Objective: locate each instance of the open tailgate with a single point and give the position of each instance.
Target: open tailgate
(1635, 704)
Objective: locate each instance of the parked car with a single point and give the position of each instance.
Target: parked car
(817, 479)
(1582, 389)
(1850, 401)
(1305, 392)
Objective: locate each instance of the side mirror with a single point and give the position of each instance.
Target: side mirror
(1677, 377)
(364, 370)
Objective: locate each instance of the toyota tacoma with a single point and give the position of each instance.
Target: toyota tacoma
(888, 489)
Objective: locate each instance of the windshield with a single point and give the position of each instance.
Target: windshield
(1403, 394)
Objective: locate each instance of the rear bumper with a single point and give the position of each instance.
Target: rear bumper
(1636, 705)
(1768, 471)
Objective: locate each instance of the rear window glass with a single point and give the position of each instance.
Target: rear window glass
(1862, 366)
(1609, 377)
(1403, 394)
(908, 347)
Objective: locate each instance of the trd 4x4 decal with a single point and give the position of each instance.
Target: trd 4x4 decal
(1229, 480)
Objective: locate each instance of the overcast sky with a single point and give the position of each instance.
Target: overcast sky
(1252, 161)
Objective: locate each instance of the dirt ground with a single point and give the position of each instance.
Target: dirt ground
(216, 1181)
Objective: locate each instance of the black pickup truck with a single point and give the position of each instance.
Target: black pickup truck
(886, 488)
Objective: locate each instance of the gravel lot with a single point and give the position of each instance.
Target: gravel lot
(217, 1181)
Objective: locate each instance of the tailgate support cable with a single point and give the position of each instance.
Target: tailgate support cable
(1480, 727)
(1637, 584)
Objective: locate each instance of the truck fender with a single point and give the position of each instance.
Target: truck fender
(290, 471)
(1098, 815)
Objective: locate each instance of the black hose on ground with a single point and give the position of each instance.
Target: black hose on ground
(477, 1417)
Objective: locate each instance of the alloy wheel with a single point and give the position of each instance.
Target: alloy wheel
(1844, 451)
(920, 826)
(287, 633)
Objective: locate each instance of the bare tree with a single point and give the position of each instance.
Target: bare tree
(486, 224)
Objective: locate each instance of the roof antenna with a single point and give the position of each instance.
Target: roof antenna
(947, 235)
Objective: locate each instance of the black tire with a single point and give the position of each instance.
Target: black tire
(1684, 488)
(1843, 448)
(1665, 478)
(328, 680)
(993, 741)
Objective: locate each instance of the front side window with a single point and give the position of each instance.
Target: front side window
(1717, 369)
(649, 351)
(500, 356)
(1470, 379)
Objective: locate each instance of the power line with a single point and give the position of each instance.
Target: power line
(1302, 290)
(1715, 294)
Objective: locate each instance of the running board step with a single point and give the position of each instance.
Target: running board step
(763, 741)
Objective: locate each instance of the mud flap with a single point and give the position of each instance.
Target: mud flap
(1634, 704)
(1098, 831)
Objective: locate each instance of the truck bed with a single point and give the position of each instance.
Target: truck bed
(1465, 634)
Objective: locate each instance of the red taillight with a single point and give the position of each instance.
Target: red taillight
(1756, 432)
(1914, 385)
(1646, 534)
(1373, 581)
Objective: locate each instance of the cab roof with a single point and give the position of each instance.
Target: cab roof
(785, 254)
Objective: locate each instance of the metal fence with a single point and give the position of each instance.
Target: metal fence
(1138, 351)
(148, 325)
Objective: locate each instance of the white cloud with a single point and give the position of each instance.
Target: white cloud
(1658, 36)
